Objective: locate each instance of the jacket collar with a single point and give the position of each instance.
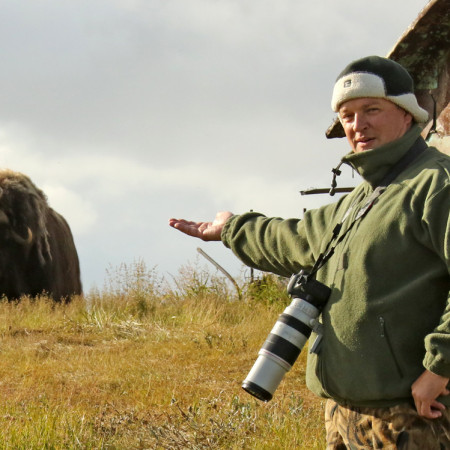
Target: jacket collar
(374, 164)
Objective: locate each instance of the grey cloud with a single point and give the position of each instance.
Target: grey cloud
(112, 100)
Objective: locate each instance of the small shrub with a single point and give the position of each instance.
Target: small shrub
(268, 290)
(135, 286)
(196, 281)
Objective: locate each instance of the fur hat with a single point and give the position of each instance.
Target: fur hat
(378, 77)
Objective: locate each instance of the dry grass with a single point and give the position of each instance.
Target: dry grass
(142, 366)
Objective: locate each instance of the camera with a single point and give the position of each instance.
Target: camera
(287, 338)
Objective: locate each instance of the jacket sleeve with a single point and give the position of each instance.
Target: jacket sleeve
(437, 222)
(437, 345)
(280, 246)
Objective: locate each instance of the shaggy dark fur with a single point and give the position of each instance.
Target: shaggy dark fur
(37, 251)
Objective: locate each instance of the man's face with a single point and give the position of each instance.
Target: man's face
(371, 122)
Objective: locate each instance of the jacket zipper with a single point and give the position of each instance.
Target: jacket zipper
(385, 336)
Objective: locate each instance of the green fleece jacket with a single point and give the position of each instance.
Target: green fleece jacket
(388, 317)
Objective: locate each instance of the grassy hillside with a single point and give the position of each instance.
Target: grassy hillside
(140, 365)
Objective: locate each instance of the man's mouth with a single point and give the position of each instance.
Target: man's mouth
(364, 142)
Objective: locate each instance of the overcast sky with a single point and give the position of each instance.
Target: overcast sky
(129, 112)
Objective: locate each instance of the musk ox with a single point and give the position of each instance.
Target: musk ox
(37, 251)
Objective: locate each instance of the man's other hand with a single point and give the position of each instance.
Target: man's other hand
(425, 390)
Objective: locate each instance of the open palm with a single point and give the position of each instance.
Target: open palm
(207, 231)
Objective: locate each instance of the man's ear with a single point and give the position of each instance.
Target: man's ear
(409, 118)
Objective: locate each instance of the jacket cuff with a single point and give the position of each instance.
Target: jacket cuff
(225, 229)
(437, 364)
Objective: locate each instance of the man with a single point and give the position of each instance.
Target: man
(384, 361)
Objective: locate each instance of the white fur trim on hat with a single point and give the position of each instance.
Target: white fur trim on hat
(364, 84)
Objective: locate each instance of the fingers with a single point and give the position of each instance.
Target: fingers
(425, 390)
(180, 222)
(430, 411)
(207, 231)
(195, 229)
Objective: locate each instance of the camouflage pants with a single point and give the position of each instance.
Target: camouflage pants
(399, 427)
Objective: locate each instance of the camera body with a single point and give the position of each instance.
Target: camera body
(287, 338)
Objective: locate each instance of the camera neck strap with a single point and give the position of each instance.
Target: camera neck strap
(416, 149)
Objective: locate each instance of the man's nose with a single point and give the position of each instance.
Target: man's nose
(360, 122)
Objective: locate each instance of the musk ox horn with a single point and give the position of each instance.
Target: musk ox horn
(5, 225)
(21, 240)
(4, 221)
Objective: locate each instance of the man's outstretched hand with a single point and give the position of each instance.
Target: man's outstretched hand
(207, 231)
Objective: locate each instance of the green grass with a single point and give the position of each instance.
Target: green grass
(142, 365)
